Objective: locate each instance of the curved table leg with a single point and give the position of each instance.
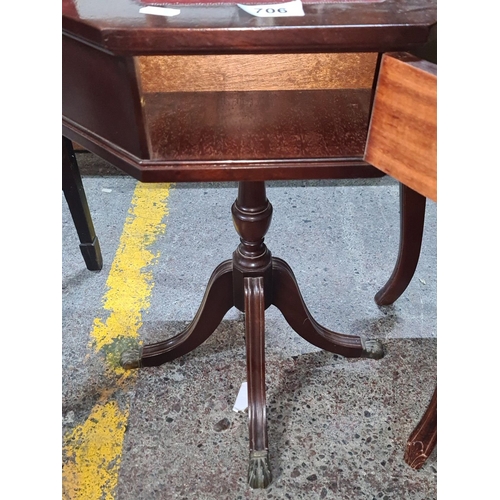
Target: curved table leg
(77, 202)
(288, 299)
(412, 213)
(216, 303)
(423, 439)
(251, 282)
(259, 470)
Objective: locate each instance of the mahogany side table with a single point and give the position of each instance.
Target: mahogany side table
(215, 94)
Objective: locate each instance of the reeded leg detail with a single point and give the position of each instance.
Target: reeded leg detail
(412, 214)
(288, 299)
(251, 282)
(216, 303)
(259, 471)
(423, 439)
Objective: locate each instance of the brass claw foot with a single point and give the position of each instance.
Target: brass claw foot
(131, 358)
(259, 469)
(373, 349)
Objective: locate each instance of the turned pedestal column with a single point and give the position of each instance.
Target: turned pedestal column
(252, 281)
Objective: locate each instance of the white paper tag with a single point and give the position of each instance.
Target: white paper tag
(241, 403)
(289, 9)
(159, 11)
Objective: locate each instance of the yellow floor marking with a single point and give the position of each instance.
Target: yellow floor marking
(93, 450)
(129, 282)
(90, 449)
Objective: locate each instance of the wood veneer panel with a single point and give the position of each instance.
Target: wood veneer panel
(257, 125)
(402, 140)
(100, 93)
(256, 72)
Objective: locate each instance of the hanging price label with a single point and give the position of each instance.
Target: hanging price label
(289, 9)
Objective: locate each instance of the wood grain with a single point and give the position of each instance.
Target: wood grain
(257, 125)
(255, 72)
(402, 138)
(118, 27)
(100, 93)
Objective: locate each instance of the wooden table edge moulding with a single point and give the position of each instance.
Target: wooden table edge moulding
(112, 55)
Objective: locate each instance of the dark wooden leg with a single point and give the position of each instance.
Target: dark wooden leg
(217, 301)
(423, 439)
(252, 282)
(264, 281)
(412, 213)
(288, 299)
(252, 215)
(77, 202)
(259, 470)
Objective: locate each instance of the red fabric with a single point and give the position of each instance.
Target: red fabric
(69, 8)
(245, 2)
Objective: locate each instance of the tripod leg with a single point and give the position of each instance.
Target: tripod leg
(288, 299)
(259, 471)
(216, 303)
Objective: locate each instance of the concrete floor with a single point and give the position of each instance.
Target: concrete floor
(337, 427)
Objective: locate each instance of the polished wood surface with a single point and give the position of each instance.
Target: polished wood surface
(303, 117)
(117, 103)
(217, 301)
(254, 126)
(215, 135)
(423, 439)
(259, 468)
(118, 27)
(402, 143)
(411, 229)
(101, 97)
(256, 72)
(403, 131)
(252, 282)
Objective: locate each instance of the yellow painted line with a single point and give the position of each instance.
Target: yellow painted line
(130, 282)
(92, 451)
(91, 448)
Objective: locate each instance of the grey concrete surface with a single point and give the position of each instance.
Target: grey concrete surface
(337, 427)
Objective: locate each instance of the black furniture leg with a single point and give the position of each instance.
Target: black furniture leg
(77, 202)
